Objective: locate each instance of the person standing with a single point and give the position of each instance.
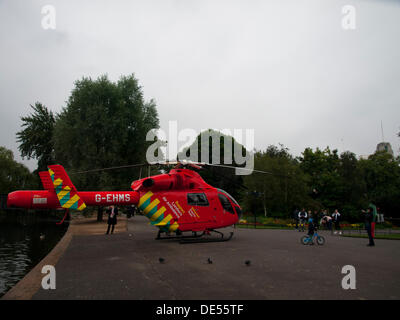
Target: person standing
(130, 212)
(336, 220)
(302, 218)
(369, 219)
(112, 218)
(296, 217)
(374, 216)
(315, 217)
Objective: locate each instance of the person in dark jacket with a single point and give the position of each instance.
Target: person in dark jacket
(296, 217)
(130, 212)
(369, 219)
(316, 218)
(112, 218)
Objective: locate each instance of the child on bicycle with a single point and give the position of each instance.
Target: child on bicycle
(312, 227)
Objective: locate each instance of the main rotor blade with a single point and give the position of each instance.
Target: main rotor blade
(241, 168)
(182, 162)
(111, 168)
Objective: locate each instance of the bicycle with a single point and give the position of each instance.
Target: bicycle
(310, 239)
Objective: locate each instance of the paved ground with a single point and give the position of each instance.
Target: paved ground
(31, 283)
(126, 266)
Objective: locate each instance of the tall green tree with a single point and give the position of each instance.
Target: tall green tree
(104, 125)
(322, 169)
(398, 157)
(381, 174)
(219, 177)
(13, 175)
(279, 192)
(35, 140)
(352, 191)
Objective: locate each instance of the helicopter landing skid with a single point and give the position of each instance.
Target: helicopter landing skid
(179, 237)
(200, 239)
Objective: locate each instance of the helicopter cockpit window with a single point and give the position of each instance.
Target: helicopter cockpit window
(226, 204)
(197, 199)
(229, 196)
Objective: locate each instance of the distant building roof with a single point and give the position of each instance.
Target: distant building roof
(385, 146)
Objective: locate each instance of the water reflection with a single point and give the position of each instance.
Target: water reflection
(21, 247)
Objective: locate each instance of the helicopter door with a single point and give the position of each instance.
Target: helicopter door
(199, 202)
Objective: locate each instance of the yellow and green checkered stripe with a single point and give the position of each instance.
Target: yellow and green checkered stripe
(156, 213)
(64, 194)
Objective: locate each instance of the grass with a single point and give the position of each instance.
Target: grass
(392, 236)
(251, 226)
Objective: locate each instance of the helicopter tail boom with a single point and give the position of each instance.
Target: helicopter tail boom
(61, 193)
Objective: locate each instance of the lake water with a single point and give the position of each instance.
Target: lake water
(21, 247)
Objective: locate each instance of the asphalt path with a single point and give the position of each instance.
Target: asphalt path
(127, 266)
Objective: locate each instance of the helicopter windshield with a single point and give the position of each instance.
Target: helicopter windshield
(225, 203)
(229, 196)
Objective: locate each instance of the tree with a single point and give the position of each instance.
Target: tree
(352, 191)
(279, 192)
(350, 184)
(381, 174)
(36, 137)
(322, 168)
(398, 157)
(223, 178)
(13, 175)
(104, 125)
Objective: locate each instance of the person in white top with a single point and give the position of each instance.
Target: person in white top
(302, 219)
(336, 220)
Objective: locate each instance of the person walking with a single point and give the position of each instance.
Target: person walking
(369, 219)
(112, 218)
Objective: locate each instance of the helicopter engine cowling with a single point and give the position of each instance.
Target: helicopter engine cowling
(176, 179)
(158, 183)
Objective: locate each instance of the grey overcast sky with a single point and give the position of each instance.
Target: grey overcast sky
(286, 69)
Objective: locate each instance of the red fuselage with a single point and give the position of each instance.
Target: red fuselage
(176, 201)
(190, 203)
(44, 199)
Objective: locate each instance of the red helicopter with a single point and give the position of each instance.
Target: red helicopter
(175, 202)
